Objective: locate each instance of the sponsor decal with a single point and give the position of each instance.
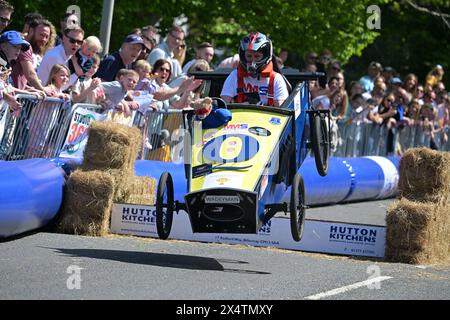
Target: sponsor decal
(275, 121)
(236, 126)
(353, 234)
(230, 180)
(222, 181)
(259, 131)
(140, 215)
(214, 199)
(218, 150)
(265, 229)
(201, 170)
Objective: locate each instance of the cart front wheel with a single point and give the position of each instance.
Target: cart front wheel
(297, 207)
(164, 205)
(320, 139)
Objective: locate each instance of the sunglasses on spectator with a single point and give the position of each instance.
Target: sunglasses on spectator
(75, 41)
(164, 69)
(148, 39)
(312, 57)
(176, 38)
(5, 21)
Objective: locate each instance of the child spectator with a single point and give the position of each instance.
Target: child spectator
(81, 62)
(58, 79)
(144, 89)
(89, 90)
(117, 91)
(143, 68)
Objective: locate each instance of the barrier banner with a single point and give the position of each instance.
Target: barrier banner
(77, 135)
(350, 239)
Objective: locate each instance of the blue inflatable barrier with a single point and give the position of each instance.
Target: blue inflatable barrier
(350, 180)
(333, 188)
(31, 193)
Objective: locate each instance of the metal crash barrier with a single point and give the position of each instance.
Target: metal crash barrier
(163, 135)
(45, 128)
(39, 130)
(35, 130)
(368, 139)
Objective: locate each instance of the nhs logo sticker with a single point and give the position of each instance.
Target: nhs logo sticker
(275, 121)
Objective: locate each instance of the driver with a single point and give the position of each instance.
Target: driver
(255, 81)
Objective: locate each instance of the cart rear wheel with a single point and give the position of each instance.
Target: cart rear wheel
(297, 207)
(164, 205)
(320, 140)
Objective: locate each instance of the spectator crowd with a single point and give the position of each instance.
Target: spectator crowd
(66, 64)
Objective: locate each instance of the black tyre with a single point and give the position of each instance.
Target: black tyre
(164, 205)
(297, 207)
(320, 142)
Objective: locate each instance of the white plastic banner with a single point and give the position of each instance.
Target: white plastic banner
(318, 236)
(77, 136)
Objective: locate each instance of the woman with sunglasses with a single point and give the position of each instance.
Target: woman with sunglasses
(167, 97)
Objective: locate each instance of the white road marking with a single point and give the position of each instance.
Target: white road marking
(346, 288)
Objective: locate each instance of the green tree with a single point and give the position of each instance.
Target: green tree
(299, 26)
(410, 40)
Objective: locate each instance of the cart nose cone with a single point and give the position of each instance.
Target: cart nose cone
(223, 210)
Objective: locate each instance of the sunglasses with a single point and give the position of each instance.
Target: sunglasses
(152, 40)
(75, 41)
(177, 38)
(164, 69)
(5, 21)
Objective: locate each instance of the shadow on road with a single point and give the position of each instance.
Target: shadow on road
(158, 259)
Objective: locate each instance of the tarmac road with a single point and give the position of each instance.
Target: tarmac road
(56, 266)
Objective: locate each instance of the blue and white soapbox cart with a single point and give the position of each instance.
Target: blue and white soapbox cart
(239, 172)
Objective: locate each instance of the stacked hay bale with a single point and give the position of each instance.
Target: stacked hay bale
(106, 176)
(418, 225)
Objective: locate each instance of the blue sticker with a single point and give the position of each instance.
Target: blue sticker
(275, 121)
(249, 147)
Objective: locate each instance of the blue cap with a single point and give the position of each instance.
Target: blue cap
(14, 38)
(396, 80)
(134, 38)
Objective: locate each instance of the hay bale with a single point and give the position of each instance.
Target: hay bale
(87, 204)
(111, 146)
(425, 175)
(417, 233)
(129, 188)
(143, 191)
